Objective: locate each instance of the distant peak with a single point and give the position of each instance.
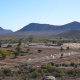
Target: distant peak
(34, 23)
(39, 23)
(1, 28)
(75, 22)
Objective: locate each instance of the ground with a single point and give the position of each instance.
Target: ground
(48, 54)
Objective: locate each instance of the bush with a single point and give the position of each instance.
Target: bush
(67, 48)
(48, 74)
(52, 64)
(62, 55)
(35, 74)
(32, 69)
(24, 76)
(62, 79)
(45, 70)
(70, 72)
(28, 50)
(16, 54)
(6, 71)
(75, 66)
(72, 64)
(40, 70)
(9, 46)
(3, 53)
(74, 72)
(18, 49)
(64, 64)
(51, 69)
(57, 65)
(61, 49)
(44, 66)
(57, 74)
(39, 50)
(59, 43)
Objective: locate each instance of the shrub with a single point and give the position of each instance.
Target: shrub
(35, 74)
(24, 76)
(67, 48)
(32, 69)
(57, 65)
(64, 64)
(16, 54)
(52, 64)
(75, 66)
(70, 72)
(57, 74)
(48, 74)
(51, 69)
(72, 64)
(62, 55)
(9, 46)
(39, 50)
(40, 70)
(18, 49)
(59, 43)
(45, 70)
(61, 49)
(28, 50)
(6, 71)
(3, 53)
(62, 79)
(44, 66)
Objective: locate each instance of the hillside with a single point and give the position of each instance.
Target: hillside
(70, 34)
(37, 29)
(2, 31)
(45, 30)
(47, 27)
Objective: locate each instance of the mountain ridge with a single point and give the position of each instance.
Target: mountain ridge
(48, 27)
(2, 31)
(37, 29)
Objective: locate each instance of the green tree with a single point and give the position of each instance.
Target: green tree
(62, 55)
(72, 64)
(39, 51)
(9, 46)
(3, 53)
(16, 54)
(0, 44)
(20, 41)
(53, 41)
(59, 43)
(30, 39)
(61, 49)
(67, 48)
(18, 49)
(6, 71)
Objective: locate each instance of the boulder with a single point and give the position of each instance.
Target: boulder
(49, 78)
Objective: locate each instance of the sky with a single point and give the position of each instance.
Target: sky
(15, 14)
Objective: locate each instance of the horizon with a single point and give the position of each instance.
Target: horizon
(16, 14)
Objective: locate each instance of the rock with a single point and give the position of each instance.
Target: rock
(49, 78)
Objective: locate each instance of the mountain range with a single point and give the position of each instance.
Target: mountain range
(36, 29)
(47, 27)
(3, 31)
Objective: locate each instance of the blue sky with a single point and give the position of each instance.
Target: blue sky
(15, 14)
